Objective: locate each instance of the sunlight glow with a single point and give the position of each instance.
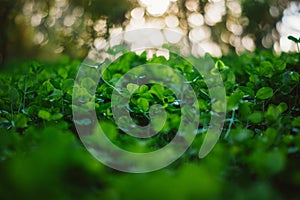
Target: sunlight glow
(78, 11)
(28, 8)
(214, 12)
(204, 30)
(199, 34)
(39, 38)
(69, 20)
(274, 11)
(137, 22)
(99, 25)
(163, 52)
(248, 43)
(289, 25)
(36, 20)
(56, 12)
(171, 21)
(156, 7)
(157, 39)
(236, 29)
(173, 35)
(235, 8)
(196, 19)
(116, 36)
(191, 5)
(100, 43)
(138, 13)
(209, 47)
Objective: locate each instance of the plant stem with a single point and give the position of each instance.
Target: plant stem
(230, 124)
(12, 115)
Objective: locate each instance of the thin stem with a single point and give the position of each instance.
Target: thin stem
(230, 124)
(298, 50)
(107, 29)
(25, 92)
(62, 104)
(12, 115)
(110, 85)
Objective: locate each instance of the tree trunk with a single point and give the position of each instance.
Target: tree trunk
(5, 10)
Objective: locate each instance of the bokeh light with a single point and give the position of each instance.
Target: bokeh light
(156, 7)
(289, 25)
(217, 26)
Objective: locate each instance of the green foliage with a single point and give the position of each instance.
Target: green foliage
(258, 152)
(264, 93)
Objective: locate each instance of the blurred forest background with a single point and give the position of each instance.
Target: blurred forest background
(45, 30)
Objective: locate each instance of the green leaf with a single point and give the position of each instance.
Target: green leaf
(272, 113)
(14, 96)
(67, 85)
(266, 69)
(247, 90)
(218, 106)
(56, 116)
(288, 139)
(158, 117)
(264, 93)
(131, 87)
(296, 122)
(240, 135)
(43, 114)
(295, 76)
(220, 65)
(279, 65)
(157, 90)
(88, 83)
(292, 38)
(245, 109)
(170, 99)
(270, 135)
(47, 87)
(63, 72)
(81, 95)
(255, 117)
(254, 79)
(203, 105)
(234, 100)
(143, 89)
(21, 120)
(106, 75)
(55, 95)
(55, 83)
(282, 107)
(143, 104)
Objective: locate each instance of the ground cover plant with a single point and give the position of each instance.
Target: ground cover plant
(257, 156)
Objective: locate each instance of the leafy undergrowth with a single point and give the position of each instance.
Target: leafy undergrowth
(257, 156)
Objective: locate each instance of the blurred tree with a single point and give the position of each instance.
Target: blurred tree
(258, 19)
(239, 21)
(36, 27)
(113, 9)
(6, 7)
(58, 23)
(263, 16)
